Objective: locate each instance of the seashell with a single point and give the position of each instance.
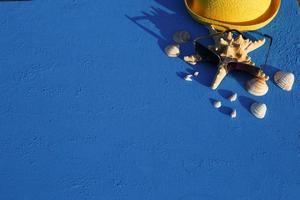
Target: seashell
(192, 59)
(196, 73)
(285, 80)
(181, 37)
(172, 50)
(217, 104)
(188, 77)
(258, 110)
(233, 97)
(257, 87)
(233, 113)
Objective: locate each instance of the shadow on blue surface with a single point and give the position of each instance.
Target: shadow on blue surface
(246, 102)
(223, 109)
(168, 19)
(225, 93)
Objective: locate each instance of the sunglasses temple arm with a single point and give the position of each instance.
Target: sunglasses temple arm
(269, 46)
(206, 36)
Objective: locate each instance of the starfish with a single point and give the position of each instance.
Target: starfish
(233, 53)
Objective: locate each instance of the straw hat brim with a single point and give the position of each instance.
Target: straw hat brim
(254, 24)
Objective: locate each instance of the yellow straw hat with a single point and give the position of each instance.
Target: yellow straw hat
(243, 15)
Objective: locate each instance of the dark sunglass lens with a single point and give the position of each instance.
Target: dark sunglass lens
(206, 54)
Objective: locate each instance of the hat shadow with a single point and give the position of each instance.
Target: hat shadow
(167, 18)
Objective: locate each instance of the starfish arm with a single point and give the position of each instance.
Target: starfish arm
(221, 73)
(255, 45)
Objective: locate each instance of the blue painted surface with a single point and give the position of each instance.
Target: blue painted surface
(91, 108)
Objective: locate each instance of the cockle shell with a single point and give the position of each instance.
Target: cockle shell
(217, 104)
(181, 37)
(258, 110)
(233, 113)
(257, 87)
(233, 97)
(188, 77)
(172, 50)
(284, 80)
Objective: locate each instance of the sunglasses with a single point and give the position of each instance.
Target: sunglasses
(210, 56)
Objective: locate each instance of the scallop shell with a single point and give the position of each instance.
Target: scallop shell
(217, 104)
(258, 110)
(284, 80)
(172, 50)
(257, 87)
(233, 97)
(188, 77)
(233, 113)
(181, 37)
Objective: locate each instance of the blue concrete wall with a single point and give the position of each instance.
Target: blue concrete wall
(91, 108)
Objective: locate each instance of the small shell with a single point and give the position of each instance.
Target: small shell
(257, 87)
(181, 37)
(172, 50)
(196, 73)
(217, 104)
(233, 113)
(192, 59)
(258, 110)
(233, 97)
(188, 77)
(284, 80)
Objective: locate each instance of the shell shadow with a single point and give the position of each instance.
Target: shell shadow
(223, 109)
(181, 74)
(225, 93)
(246, 102)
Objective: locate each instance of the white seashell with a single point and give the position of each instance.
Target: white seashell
(258, 110)
(217, 104)
(233, 113)
(172, 50)
(188, 77)
(196, 74)
(285, 80)
(233, 97)
(257, 87)
(181, 37)
(192, 59)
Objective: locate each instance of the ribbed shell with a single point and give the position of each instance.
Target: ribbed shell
(257, 87)
(284, 80)
(172, 50)
(181, 37)
(259, 110)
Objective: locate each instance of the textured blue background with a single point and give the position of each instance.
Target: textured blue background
(91, 108)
